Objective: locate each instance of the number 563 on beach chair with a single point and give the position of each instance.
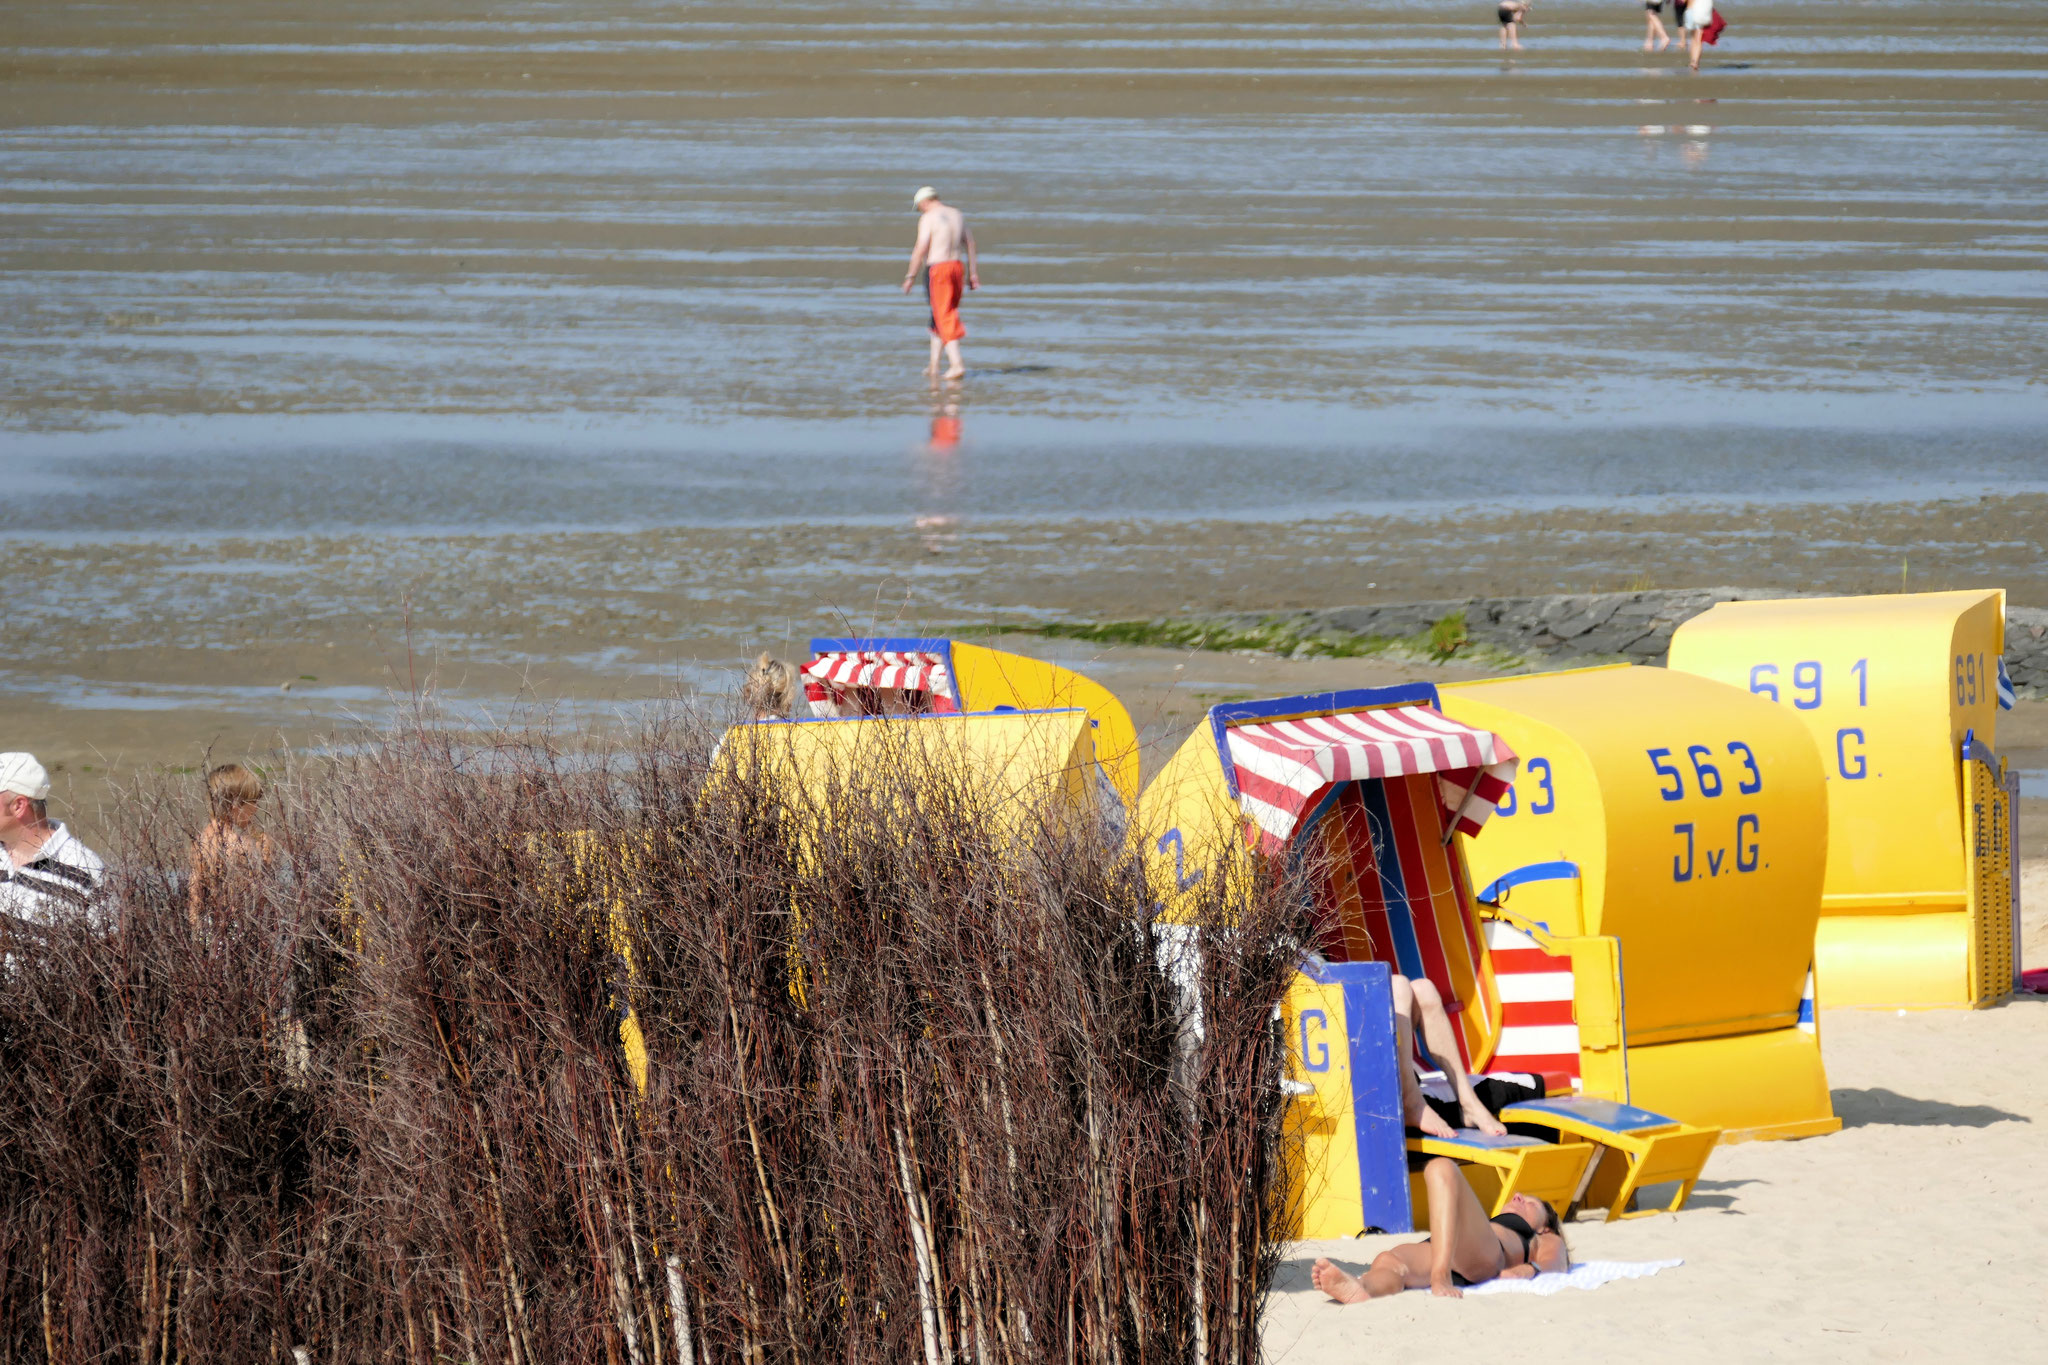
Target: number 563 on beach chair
(1368, 789)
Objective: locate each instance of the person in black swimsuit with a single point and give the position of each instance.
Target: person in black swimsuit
(1513, 14)
(1655, 39)
(1464, 1247)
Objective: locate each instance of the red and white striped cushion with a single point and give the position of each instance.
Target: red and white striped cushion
(1538, 1031)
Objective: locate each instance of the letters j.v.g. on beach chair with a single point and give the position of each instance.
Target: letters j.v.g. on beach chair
(1372, 786)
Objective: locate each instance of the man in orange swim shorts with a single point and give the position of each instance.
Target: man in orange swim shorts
(943, 238)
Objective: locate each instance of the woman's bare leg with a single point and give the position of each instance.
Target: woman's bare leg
(1460, 1237)
(1393, 1270)
(1425, 1007)
(1414, 1111)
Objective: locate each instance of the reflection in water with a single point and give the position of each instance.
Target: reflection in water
(945, 428)
(937, 528)
(1692, 151)
(937, 533)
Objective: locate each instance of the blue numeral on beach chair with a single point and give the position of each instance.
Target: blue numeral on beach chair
(1552, 1172)
(1652, 1148)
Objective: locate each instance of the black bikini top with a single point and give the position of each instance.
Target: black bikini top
(1515, 1223)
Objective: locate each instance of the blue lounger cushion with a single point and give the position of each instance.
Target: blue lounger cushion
(1608, 1115)
(1472, 1137)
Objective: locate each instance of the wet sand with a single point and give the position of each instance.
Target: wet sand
(1310, 231)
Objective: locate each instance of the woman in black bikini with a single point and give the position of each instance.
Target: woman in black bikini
(1464, 1246)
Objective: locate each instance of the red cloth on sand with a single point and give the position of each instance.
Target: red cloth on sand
(943, 281)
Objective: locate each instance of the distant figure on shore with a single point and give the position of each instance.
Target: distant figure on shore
(770, 688)
(1699, 14)
(945, 252)
(49, 875)
(230, 851)
(1513, 14)
(1655, 36)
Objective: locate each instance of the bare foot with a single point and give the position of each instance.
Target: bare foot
(1334, 1282)
(956, 372)
(1432, 1123)
(1441, 1286)
(1476, 1115)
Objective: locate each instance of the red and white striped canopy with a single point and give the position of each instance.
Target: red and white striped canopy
(1283, 767)
(828, 677)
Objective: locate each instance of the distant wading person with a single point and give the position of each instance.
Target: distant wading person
(1513, 14)
(945, 252)
(1699, 14)
(1655, 37)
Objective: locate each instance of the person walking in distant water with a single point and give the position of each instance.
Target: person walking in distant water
(47, 874)
(1513, 14)
(944, 251)
(230, 851)
(1655, 37)
(1699, 14)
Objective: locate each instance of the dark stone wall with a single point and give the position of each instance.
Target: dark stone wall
(1608, 625)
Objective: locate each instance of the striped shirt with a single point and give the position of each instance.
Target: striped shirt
(59, 881)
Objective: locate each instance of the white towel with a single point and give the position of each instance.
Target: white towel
(1584, 1275)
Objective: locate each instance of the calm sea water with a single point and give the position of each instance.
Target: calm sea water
(563, 265)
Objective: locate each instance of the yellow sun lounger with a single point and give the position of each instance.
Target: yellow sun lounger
(1498, 1168)
(1651, 1148)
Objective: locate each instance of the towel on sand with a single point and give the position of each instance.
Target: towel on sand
(1584, 1275)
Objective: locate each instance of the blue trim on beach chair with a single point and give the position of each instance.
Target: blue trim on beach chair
(1556, 871)
(1609, 1116)
(1481, 1142)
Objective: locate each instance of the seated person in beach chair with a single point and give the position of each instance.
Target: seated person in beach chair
(1418, 1005)
(1464, 1247)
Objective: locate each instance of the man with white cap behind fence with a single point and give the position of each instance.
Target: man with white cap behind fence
(47, 874)
(943, 240)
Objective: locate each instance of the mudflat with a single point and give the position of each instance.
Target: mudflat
(554, 355)
(137, 653)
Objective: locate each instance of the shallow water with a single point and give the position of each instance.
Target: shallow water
(414, 268)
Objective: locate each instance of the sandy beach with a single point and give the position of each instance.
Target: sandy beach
(1906, 1236)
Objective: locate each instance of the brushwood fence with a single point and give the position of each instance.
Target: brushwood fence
(914, 1088)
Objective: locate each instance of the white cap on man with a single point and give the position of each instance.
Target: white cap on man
(924, 192)
(22, 775)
